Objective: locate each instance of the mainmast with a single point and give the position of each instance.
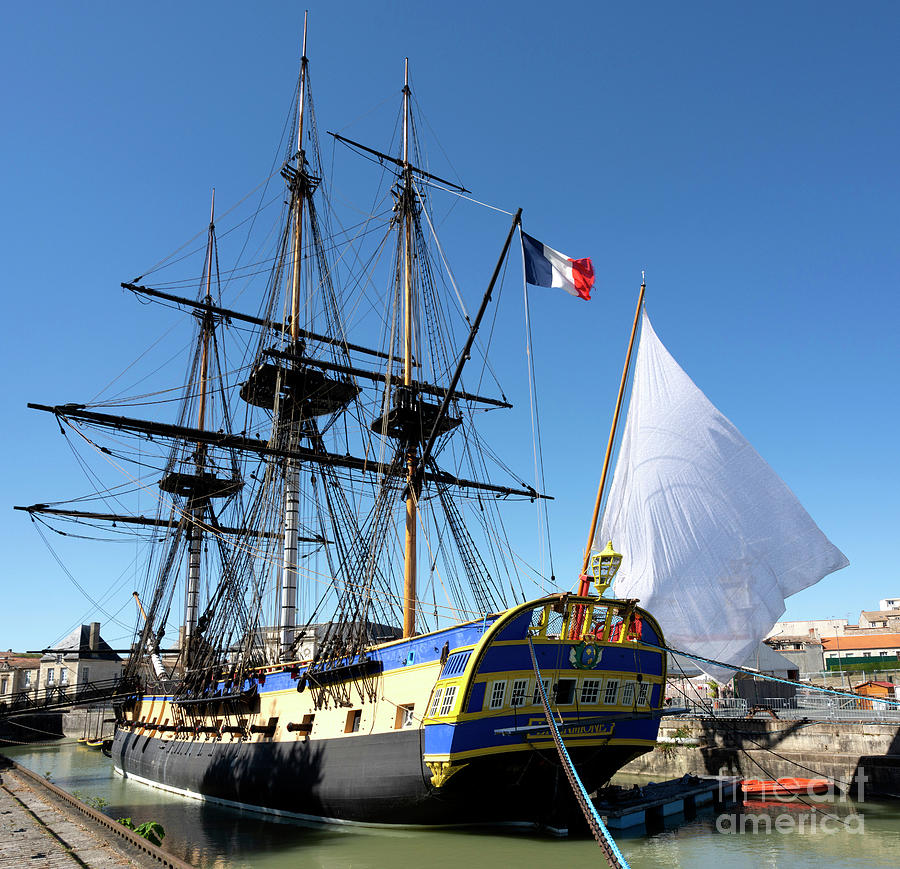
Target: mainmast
(196, 505)
(288, 618)
(413, 488)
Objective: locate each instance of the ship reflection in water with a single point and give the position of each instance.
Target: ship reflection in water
(212, 837)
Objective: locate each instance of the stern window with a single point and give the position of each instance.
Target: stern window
(519, 692)
(590, 691)
(643, 693)
(456, 663)
(536, 700)
(449, 697)
(354, 719)
(435, 703)
(498, 694)
(628, 694)
(611, 692)
(565, 692)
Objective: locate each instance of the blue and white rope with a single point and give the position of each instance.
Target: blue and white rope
(593, 818)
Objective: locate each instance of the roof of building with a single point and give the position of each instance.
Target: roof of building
(799, 638)
(880, 614)
(873, 682)
(79, 641)
(19, 662)
(853, 644)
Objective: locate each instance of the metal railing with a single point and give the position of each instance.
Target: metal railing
(813, 705)
(718, 707)
(63, 696)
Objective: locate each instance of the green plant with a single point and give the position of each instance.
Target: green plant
(670, 749)
(682, 732)
(48, 774)
(667, 749)
(97, 803)
(150, 830)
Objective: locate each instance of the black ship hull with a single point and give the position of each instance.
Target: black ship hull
(370, 779)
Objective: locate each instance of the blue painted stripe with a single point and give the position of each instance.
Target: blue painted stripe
(500, 659)
(479, 733)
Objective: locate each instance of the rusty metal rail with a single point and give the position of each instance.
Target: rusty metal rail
(169, 861)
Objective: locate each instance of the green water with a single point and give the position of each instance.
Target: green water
(866, 834)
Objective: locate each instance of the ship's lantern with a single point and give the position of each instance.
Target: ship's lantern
(604, 566)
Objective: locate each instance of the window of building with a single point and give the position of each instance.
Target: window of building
(590, 691)
(565, 692)
(435, 703)
(643, 694)
(4, 684)
(867, 654)
(628, 694)
(51, 676)
(611, 692)
(519, 692)
(882, 654)
(498, 694)
(86, 674)
(449, 697)
(63, 676)
(354, 719)
(27, 679)
(536, 699)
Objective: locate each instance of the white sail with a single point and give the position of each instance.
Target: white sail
(713, 540)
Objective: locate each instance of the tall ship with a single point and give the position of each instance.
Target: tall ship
(332, 624)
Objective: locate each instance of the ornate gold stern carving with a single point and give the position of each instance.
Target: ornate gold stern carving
(442, 770)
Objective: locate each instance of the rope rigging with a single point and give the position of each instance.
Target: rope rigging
(348, 510)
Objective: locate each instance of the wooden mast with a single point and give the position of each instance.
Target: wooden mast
(584, 580)
(288, 616)
(298, 199)
(204, 363)
(412, 494)
(192, 588)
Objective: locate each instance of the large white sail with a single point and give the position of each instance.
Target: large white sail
(713, 539)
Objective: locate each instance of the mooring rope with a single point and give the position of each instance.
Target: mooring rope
(607, 844)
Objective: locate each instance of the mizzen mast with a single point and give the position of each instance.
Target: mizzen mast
(584, 583)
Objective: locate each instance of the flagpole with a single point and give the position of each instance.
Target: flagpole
(584, 580)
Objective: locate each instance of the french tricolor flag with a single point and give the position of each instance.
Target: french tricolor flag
(545, 267)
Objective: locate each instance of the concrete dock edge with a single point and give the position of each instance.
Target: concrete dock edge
(110, 827)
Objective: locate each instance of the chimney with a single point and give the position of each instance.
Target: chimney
(94, 637)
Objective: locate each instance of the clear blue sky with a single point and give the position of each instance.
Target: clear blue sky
(745, 155)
